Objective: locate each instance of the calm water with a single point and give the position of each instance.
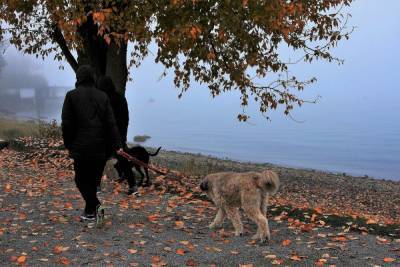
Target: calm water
(363, 142)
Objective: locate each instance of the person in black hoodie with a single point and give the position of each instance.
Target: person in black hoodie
(121, 113)
(88, 125)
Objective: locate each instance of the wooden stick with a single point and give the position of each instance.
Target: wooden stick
(141, 163)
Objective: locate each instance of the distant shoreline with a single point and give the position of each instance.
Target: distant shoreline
(181, 156)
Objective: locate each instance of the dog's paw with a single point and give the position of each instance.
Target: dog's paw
(238, 233)
(212, 226)
(255, 237)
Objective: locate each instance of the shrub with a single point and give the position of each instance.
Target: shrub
(49, 130)
(141, 138)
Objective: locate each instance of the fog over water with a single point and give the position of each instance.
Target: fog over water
(354, 128)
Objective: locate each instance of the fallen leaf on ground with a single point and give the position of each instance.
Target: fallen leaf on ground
(21, 259)
(180, 251)
(132, 251)
(389, 260)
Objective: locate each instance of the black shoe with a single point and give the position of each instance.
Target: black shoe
(133, 191)
(98, 189)
(88, 216)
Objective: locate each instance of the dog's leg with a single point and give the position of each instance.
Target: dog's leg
(234, 216)
(148, 183)
(264, 208)
(139, 170)
(264, 205)
(258, 217)
(219, 218)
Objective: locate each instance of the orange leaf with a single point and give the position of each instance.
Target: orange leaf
(22, 216)
(64, 261)
(124, 204)
(389, 260)
(21, 259)
(155, 259)
(319, 210)
(286, 242)
(180, 251)
(340, 238)
(58, 249)
(179, 224)
(7, 188)
(191, 262)
(295, 258)
(132, 251)
(152, 218)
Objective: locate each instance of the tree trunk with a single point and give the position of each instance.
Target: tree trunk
(105, 59)
(116, 67)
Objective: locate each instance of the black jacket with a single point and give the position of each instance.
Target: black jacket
(119, 105)
(88, 123)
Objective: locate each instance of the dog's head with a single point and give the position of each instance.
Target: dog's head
(204, 185)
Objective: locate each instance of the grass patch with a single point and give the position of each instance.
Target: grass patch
(358, 224)
(11, 129)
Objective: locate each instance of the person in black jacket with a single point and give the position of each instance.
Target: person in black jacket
(88, 125)
(121, 113)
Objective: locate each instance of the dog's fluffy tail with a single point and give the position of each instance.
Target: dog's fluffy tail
(269, 181)
(155, 153)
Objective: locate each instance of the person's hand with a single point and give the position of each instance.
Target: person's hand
(120, 151)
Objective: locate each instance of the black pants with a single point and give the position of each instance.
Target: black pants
(124, 169)
(87, 173)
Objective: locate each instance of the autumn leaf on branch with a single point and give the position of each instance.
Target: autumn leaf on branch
(227, 46)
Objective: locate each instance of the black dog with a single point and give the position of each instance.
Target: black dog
(3, 144)
(141, 154)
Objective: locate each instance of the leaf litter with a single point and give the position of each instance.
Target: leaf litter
(40, 219)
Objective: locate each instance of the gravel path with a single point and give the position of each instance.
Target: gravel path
(39, 226)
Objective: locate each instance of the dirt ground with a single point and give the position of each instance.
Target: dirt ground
(167, 225)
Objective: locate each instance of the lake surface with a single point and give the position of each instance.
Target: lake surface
(360, 142)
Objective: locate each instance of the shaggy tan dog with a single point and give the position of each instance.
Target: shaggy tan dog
(230, 191)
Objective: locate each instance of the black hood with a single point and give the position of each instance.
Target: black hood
(84, 76)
